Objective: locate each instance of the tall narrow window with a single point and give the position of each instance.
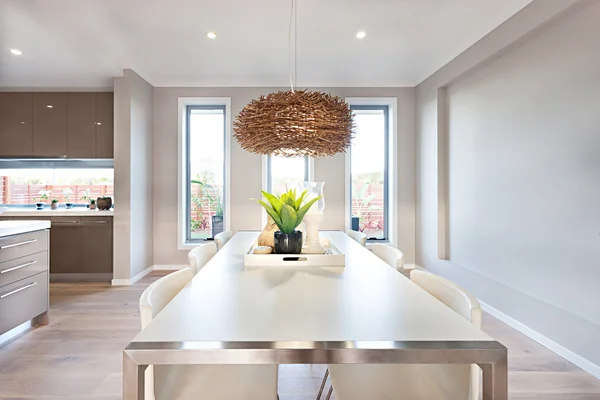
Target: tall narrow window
(205, 171)
(369, 173)
(283, 170)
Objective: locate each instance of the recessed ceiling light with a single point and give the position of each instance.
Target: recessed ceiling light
(361, 34)
(16, 52)
(49, 105)
(211, 35)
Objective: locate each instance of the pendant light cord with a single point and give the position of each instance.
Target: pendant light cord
(292, 18)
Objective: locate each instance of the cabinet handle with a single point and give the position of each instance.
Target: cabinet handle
(17, 267)
(99, 222)
(18, 290)
(8, 246)
(65, 222)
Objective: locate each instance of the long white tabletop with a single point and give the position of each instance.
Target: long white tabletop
(320, 314)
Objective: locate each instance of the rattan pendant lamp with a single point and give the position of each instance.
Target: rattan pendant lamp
(295, 123)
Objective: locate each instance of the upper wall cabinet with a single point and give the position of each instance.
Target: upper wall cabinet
(50, 125)
(81, 125)
(104, 125)
(16, 124)
(56, 125)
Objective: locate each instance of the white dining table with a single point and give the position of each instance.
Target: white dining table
(363, 313)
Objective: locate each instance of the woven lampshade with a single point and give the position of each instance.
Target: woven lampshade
(295, 124)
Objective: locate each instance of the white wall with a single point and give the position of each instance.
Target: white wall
(523, 172)
(246, 168)
(133, 219)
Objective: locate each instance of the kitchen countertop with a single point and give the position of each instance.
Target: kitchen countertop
(8, 228)
(61, 212)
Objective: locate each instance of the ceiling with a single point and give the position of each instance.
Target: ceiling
(84, 43)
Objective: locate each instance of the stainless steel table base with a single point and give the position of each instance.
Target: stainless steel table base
(491, 356)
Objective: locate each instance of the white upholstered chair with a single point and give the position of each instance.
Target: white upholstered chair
(199, 382)
(199, 256)
(412, 382)
(391, 255)
(360, 237)
(222, 238)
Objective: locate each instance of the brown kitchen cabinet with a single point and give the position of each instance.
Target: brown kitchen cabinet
(65, 245)
(97, 245)
(81, 248)
(57, 124)
(50, 124)
(16, 124)
(104, 124)
(81, 125)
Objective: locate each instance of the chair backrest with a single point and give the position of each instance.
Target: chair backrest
(449, 293)
(153, 300)
(389, 254)
(222, 238)
(360, 237)
(199, 256)
(161, 292)
(459, 300)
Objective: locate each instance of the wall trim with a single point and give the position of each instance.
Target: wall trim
(158, 267)
(169, 267)
(534, 335)
(131, 281)
(551, 345)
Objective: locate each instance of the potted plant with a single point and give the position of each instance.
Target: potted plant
(361, 207)
(86, 197)
(208, 194)
(44, 195)
(104, 203)
(217, 219)
(54, 204)
(92, 204)
(67, 192)
(287, 213)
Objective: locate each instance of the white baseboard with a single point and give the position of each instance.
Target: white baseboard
(169, 267)
(165, 267)
(131, 281)
(567, 354)
(15, 332)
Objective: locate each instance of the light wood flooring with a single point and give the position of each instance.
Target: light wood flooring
(78, 356)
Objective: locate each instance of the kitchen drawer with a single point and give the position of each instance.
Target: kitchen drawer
(23, 300)
(24, 244)
(23, 267)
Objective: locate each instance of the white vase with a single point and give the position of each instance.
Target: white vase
(314, 216)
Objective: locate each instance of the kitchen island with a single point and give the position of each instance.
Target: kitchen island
(24, 262)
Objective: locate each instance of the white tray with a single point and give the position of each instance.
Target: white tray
(332, 258)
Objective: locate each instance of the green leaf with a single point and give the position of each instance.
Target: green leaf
(272, 213)
(305, 208)
(275, 203)
(290, 202)
(288, 219)
(283, 198)
(300, 199)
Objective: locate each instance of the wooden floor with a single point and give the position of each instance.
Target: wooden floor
(78, 356)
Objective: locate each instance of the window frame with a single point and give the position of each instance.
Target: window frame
(386, 139)
(185, 105)
(390, 168)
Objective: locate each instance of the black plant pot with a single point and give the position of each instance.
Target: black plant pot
(355, 223)
(217, 224)
(288, 243)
